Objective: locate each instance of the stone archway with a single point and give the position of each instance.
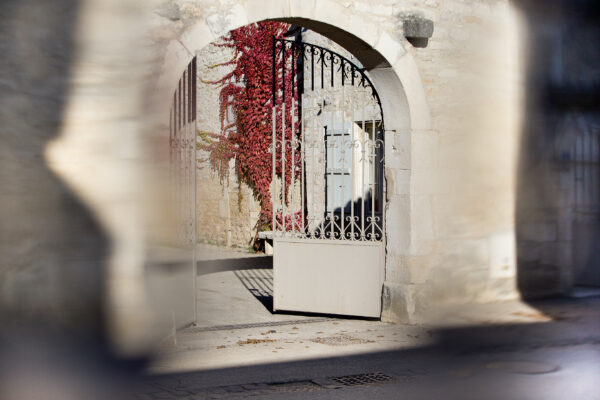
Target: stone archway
(394, 73)
(393, 68)
(452, 184)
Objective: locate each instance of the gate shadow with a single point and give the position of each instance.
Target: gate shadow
(233, 264)
(259, 282)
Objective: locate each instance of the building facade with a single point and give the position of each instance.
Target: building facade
(473, 215)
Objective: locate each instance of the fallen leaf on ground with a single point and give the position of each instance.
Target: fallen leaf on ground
(254, 341)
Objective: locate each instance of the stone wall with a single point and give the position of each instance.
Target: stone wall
(96, 165)
(451, 176)
(226, 210)
(462, 173)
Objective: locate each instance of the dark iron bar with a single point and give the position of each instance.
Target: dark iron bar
(274, 74)
(195, 88)
(312, 69)
(179, 105)
(293, 71)
(173, 112)
(300, 72)
(190, 102)
(322, 68)
(283, 45)
(332, 68)
(188, 105)
(188, 97)
(184, 95)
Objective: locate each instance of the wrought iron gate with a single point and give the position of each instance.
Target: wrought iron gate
(183, 157)
(328, 191)
(173, 289)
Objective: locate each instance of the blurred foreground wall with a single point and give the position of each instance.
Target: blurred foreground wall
(558, 214)
(71, 162)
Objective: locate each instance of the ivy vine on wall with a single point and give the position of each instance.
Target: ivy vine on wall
(246, 113)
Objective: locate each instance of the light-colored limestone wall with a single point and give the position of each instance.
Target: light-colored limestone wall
(461, 183)
(226, 210)
(452, 132)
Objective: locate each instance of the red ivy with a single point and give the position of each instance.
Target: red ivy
(291, 222)
(247, 91)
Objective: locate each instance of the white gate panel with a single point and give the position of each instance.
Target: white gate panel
(327, 189)
(328, 276)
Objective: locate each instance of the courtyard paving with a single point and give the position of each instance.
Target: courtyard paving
(506, 350)
(236, 325)
(235, 290)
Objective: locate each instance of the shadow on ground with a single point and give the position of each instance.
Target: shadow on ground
(259, 282)
(234, 264)
(551, 360)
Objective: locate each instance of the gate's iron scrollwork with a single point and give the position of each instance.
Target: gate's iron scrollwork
(334, 152)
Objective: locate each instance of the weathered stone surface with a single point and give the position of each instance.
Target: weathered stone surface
(389, 47)
(398, 214)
